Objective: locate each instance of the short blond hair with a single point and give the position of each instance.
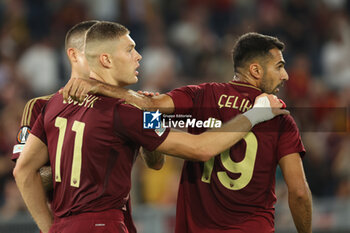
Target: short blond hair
(75, 37)
(99, 35)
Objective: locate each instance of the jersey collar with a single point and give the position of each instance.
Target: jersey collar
(243, 84)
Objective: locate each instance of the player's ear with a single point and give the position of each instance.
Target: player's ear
(106, 60)
(72, 54)
(256, 70)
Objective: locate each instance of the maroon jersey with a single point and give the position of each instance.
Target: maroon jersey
(30, 114)
(92, 147)
(237, 186)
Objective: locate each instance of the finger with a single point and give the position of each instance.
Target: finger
(82, 98)
(78, 93)
(272, 97)
(283, 112)
(274, 102)
(84, 93)
(73, 90)
(66, 90)
(283, 103)
(277, 112)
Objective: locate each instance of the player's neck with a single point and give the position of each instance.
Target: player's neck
(76, 73)
(245, 79)
(94, 76)
(102, 76)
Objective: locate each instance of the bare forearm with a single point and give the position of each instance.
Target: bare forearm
(163, 103)
(301, 209)
(208, 144)
(225, 137)
(33, 195)
(265, 108)
(26, 173)
(122, 93)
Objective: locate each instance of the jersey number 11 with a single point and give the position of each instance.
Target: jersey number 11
(78, 128)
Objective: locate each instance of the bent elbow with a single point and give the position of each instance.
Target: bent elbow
(301, 194)
(206, 158)
(20, 172)
(15, 171)
(203, 154)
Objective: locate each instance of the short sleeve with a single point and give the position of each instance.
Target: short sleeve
(30, 113)
(22, 137)
(289, 140)
(38, 128)
(128, 122)
(183, 98)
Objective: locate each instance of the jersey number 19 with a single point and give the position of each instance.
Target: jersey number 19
(244, 167)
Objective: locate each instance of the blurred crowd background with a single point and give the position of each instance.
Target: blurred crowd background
(189, 42)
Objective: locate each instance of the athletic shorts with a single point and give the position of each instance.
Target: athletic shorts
(110, 221)
(255, 224)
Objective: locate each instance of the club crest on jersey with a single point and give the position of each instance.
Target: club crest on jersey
(23, 134)
(151, 120)
(160, 131)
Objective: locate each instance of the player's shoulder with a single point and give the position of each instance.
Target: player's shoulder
(127, 112)
(227, 85)
(208, 86)
(282, 120)
(111, 101)
(288, 120)
(114, 103)
(279, 124)
(125, 104)
(33, 108)
(285, 123)
(244, 87)
(228, 88)
(41, 100)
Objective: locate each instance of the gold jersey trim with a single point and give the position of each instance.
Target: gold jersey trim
(27, 112)
(245, 85)
(135, 105)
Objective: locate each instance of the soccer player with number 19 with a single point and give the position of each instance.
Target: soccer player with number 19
(235, 191)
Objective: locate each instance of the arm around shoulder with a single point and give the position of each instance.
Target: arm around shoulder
(204, 146)
(151, 103)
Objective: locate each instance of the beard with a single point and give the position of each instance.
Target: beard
(267, 86)
(277, 88)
